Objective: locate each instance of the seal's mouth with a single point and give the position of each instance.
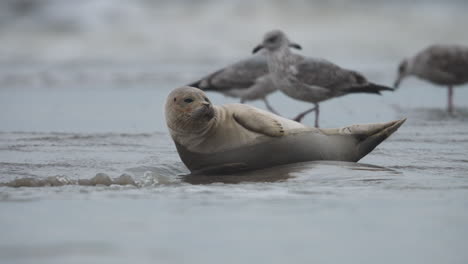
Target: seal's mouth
(210, 114)
(205, 111)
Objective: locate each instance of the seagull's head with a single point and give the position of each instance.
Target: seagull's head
(403, 71)
(275, 40)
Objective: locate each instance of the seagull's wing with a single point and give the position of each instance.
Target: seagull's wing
(240, 75)
(322, 73)
(337, 80)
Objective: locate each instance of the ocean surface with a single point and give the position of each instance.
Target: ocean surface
(89, 173)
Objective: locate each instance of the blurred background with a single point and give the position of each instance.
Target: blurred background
(200, 32)
(121, 57)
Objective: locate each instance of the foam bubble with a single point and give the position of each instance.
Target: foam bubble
(124, 179)
(99, 179)
(151, 179)
(34, 182)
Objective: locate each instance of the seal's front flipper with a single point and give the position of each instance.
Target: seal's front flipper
(258, 122)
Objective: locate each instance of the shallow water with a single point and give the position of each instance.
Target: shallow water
(88, 172)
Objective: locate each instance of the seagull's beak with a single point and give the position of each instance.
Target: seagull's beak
(295, 45)
(256, 49)
(397, 82)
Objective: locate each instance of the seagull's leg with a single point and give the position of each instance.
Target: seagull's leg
(268, 106)
(300, 116)
(317, 112)
(450, 99)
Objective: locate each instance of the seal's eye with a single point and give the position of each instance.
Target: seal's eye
(206, 99)
(188, 100)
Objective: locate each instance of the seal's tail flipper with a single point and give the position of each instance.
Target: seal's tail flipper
(374, 135)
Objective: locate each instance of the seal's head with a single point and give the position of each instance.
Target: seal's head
(275, 40)
(188, 110)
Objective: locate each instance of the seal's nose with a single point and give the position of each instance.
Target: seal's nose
(206, 104)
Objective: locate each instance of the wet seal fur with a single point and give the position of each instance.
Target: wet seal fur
(236, 137)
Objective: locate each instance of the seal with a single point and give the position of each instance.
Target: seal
(235, 137)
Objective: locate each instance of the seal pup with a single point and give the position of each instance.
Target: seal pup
(247, 79)
(439, 64)
(236, 137)
(310, 79)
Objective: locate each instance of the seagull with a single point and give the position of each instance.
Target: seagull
(438, 64)
(247, 79)
(310, 79)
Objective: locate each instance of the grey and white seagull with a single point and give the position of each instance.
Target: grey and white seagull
(247, 79)
(439, 64)
(310, 79)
